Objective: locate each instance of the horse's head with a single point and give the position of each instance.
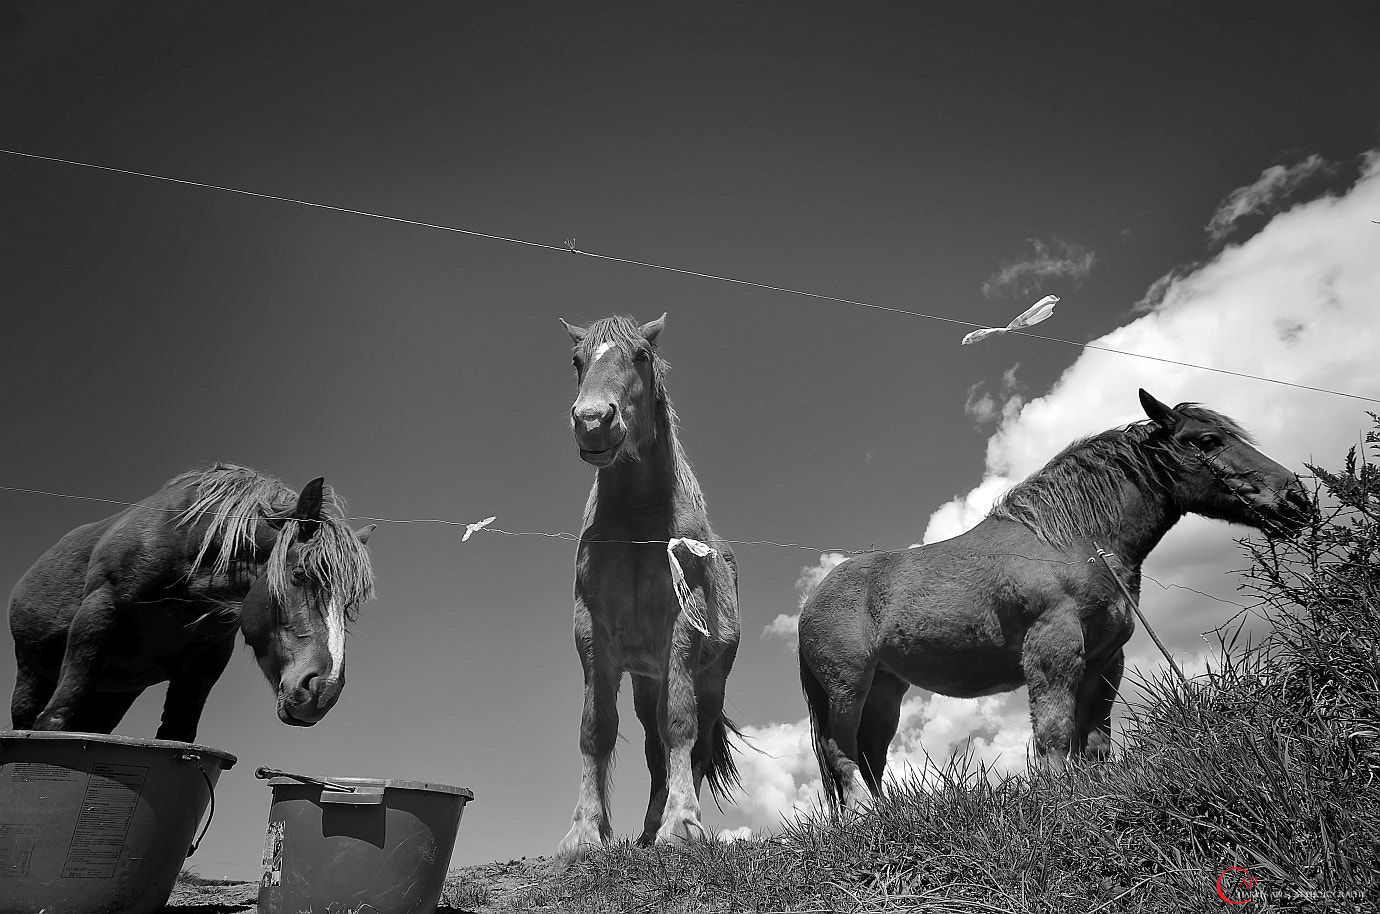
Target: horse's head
(1220, 473)
(294, 614)
(619, 376)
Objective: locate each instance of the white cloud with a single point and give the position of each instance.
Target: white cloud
(987, 408)
(1264, 195)
(1068, 264)
(784, 625)
(1295, 302)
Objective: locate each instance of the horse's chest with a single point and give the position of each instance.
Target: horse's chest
(635, 614)
(1109, 626)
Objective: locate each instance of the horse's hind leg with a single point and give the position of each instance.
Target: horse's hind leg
(679, 717)
(646, 698)
(711, 757)
(31, 694)
(1095, 701)
(880, 716)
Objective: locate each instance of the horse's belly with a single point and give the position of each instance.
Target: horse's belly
(970, 666)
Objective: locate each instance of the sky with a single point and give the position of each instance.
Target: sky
(1195, 183)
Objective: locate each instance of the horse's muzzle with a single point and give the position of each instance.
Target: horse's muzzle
(308, 703)
(601, 458)
(1293, 512)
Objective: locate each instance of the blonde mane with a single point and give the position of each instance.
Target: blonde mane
(235, 500)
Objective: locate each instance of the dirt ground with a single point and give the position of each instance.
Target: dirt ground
(487, 888)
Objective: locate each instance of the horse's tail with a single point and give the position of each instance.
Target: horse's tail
(817, 700)
(722, 772)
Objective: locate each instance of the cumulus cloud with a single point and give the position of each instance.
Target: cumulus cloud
(1264, 196)
(1059, 260)
(784, 625)
(986, 407)
(1296, 302)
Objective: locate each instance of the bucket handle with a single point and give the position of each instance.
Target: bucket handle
(210, 791)
(264, 772)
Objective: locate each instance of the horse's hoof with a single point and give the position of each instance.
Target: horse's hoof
(575, 846)
(679, 831)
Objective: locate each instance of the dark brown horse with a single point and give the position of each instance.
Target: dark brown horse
(1022, 598)
(157, 592)
(644, 507)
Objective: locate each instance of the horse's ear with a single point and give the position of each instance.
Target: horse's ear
(363, 532)
(308, 510)
(576, 333)
(650, 329)
(1164, 416)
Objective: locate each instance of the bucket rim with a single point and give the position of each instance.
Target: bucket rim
(385, 783)
(228, 760)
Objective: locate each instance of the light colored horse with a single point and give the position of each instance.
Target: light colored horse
(1022, 598)
(628, 618)
(157, 592)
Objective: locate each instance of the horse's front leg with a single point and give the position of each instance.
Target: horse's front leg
(1095, 701)
(647, 702)
(187, 692)
(1052, 659)
(680, 821)
(590, 825)
(84, 658)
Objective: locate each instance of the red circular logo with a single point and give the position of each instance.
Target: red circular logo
(1234, 885)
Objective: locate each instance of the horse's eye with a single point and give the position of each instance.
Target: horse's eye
(299, 577)
(642, 355)
(1208, 443)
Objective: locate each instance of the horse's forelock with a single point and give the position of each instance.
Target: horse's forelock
(236, 499)
(621, 330)
(1212, 417)
(333, 556)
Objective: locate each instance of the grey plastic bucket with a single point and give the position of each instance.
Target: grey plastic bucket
(381, 846)
(98, 824)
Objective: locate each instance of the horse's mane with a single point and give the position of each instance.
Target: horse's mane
(1079, 492)
(236, 499)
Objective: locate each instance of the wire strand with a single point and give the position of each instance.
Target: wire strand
(575, 538)
(569, 247)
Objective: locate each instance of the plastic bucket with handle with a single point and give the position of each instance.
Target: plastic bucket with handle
(98, 824)
(347, 844)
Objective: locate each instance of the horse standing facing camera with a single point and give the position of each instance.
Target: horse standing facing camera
(1019, 599)
(656, 592)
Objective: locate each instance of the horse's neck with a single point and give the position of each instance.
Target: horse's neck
(649, 491)
(1145, 519)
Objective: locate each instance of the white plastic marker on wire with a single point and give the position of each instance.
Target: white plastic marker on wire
(471, 528)
(1031, 316)
(682, 589)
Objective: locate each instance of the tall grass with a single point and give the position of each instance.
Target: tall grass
(1269, 763)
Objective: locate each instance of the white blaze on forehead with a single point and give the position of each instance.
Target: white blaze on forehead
(335, 640)
(601, 349)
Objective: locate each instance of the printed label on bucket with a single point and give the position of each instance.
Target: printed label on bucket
(273, 856)
(16, 848)
(107, 809)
